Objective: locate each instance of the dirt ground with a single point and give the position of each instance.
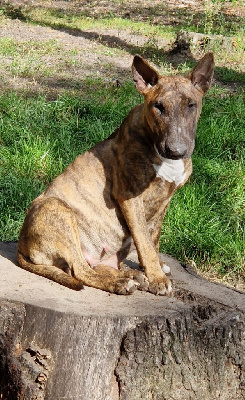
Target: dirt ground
(97, 52)
(91, 58)
(161, 11)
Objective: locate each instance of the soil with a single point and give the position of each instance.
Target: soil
(102, 53)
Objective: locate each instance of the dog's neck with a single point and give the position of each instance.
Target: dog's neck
(139, 128)
(171, 170)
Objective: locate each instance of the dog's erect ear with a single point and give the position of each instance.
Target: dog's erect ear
(143, 74)
(201, 75)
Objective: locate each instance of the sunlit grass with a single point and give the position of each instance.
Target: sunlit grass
(39, 137)
(76, 21)
(205, 221)
(29, 58)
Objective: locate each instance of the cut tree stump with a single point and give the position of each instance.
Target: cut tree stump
(186, 40)
(56, 343)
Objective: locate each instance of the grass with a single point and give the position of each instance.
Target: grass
(29, 56)
(39, 137)
(150, 19)
(206, 218)
(29, 59)
(205, 221)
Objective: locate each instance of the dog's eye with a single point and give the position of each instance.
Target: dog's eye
(191, 105)
(160, 107)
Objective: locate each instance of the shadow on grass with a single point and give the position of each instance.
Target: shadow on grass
(54, 86)
(12, 12)
(179, 15)
(228, 75)
(149, 50)
(152, 52)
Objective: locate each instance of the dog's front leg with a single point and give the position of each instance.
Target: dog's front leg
(134, 214)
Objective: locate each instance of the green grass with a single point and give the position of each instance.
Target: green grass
(149, 20)
(76, 21)
(11, 47)
(206, 218)
(29, 58)
(205, 221)
(40, 137)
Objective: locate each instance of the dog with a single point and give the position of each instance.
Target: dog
(113, 198)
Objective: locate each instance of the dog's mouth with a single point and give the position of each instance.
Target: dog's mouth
(173, 156)
(160, 152)
(166, 153)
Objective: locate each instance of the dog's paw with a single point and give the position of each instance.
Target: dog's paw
(126, 286)
(163, 288)
(142, 280)
(137, 276)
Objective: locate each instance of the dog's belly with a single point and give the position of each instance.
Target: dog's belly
(107, 256)
(111, 261)
(103, 232)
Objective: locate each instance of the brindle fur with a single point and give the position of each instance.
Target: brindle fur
(115, 196)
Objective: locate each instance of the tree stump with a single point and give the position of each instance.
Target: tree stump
(90, 345)
(187, 41)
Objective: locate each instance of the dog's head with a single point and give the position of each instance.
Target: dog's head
(173, 104)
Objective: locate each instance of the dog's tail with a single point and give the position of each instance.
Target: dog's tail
(51, 272)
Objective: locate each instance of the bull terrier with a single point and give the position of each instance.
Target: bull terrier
(113, 198)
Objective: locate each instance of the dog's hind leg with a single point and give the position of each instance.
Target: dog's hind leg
(49, 245)
(51, 272)
(108, 272)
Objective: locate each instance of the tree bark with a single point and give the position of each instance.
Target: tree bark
(59, 344)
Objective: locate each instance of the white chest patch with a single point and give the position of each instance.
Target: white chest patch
(171, 171)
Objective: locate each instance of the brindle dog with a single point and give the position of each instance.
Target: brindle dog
(115, 196)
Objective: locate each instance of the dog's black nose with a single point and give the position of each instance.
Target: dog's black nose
(175, 152)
